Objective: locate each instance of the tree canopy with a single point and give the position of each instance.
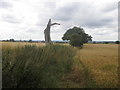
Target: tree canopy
(77, 36)
(117, 42)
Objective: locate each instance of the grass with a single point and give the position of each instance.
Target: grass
(59, 66)
(32, 66)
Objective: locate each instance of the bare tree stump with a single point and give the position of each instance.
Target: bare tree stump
(47, 32)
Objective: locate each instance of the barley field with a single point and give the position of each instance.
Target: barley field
(59, 66)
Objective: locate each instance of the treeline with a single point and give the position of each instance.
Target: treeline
(106, 42)
(13, 40)
(94, 42)
(30, 40)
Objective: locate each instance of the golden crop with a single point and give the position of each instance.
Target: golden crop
(102, 61)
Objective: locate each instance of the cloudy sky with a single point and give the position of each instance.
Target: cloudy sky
(27, 19)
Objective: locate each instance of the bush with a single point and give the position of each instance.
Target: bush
(35, 67)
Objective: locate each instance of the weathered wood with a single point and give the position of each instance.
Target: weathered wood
(47, 32)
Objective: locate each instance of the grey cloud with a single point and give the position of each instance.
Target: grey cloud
(66, 12)
(98, 23)
(40, 24)
(107, 20)
(10, 19)
(5, 4)
(62, 17)
(83, 14)
(32, 30)
(110, 7)
(50, 5)
(105, 31)
(119, 5)
(100, 34)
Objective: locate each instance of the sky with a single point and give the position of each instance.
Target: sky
(27, 19)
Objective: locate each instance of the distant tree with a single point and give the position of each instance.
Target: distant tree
(30, 40)
(11, 40)
(3, 40)
(77, 36)
(106, 42)
(43, 41)
(117, 42)
(94, 42)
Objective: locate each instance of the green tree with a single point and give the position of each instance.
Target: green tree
(117, 42)
(30, 40)
(106, 42)
(77, 36)
(76, 40)
(11, 40)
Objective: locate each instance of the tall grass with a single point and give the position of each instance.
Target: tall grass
(32, 66)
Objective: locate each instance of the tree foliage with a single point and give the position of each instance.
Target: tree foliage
(11, 40)
(117, 42)
(77, 36)
(30, 40)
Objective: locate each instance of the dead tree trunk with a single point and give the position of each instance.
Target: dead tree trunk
(47, 32)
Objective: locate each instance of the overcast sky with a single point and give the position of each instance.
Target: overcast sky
(27, 19)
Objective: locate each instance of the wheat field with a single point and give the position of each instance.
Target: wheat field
(100, 60)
